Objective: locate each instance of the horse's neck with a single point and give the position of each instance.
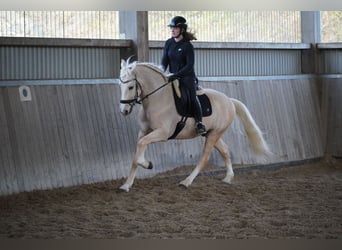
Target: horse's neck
(151, 80)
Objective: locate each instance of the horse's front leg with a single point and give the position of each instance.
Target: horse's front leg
(139, 158)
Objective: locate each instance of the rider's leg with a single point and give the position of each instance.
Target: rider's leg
(200, 128)
(191, 85)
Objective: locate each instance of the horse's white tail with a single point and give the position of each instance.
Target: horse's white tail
(256, 139)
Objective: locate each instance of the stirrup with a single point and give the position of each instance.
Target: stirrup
(200, 129)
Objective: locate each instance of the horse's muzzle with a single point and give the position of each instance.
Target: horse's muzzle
(126, 109)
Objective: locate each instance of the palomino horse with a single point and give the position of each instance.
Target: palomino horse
(146, 84)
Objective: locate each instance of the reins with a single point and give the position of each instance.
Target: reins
(154, 91)
(135, 99)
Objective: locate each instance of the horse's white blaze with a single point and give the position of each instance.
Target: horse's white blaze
(128, 87)
(158, 118)
(124, 108)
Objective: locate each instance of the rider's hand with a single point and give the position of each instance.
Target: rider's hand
(171, 77)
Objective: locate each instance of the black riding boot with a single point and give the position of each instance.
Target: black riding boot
(200, 128)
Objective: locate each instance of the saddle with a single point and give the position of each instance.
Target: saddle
(185, 108)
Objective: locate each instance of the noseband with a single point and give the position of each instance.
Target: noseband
(135, 100)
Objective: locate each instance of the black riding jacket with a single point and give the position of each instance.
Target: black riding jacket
(179, 57)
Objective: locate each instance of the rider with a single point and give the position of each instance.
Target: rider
(178, 55)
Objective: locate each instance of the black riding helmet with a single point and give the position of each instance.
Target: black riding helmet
(178, 21)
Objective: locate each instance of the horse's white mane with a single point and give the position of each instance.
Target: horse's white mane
(153, 66)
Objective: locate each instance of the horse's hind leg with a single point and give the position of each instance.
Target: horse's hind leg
(222, 147)
(208, 147)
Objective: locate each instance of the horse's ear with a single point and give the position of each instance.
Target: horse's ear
(123, 63)
(129, 59)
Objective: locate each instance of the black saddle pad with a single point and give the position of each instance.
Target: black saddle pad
(184, 107)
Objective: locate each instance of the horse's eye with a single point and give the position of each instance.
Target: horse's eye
(130, 88)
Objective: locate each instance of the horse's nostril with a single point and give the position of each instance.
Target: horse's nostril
(125, 112)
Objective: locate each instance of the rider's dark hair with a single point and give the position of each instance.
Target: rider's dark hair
(189, 36)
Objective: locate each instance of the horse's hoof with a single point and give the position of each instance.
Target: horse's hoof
(228, 179)
(184, 184)
(150, 165)
(122, 189)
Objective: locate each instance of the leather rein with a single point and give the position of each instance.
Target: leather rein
(137, 99)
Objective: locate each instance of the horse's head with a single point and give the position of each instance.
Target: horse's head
(130, 87)
(138, 81)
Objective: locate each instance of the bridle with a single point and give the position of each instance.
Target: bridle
(137, 99)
